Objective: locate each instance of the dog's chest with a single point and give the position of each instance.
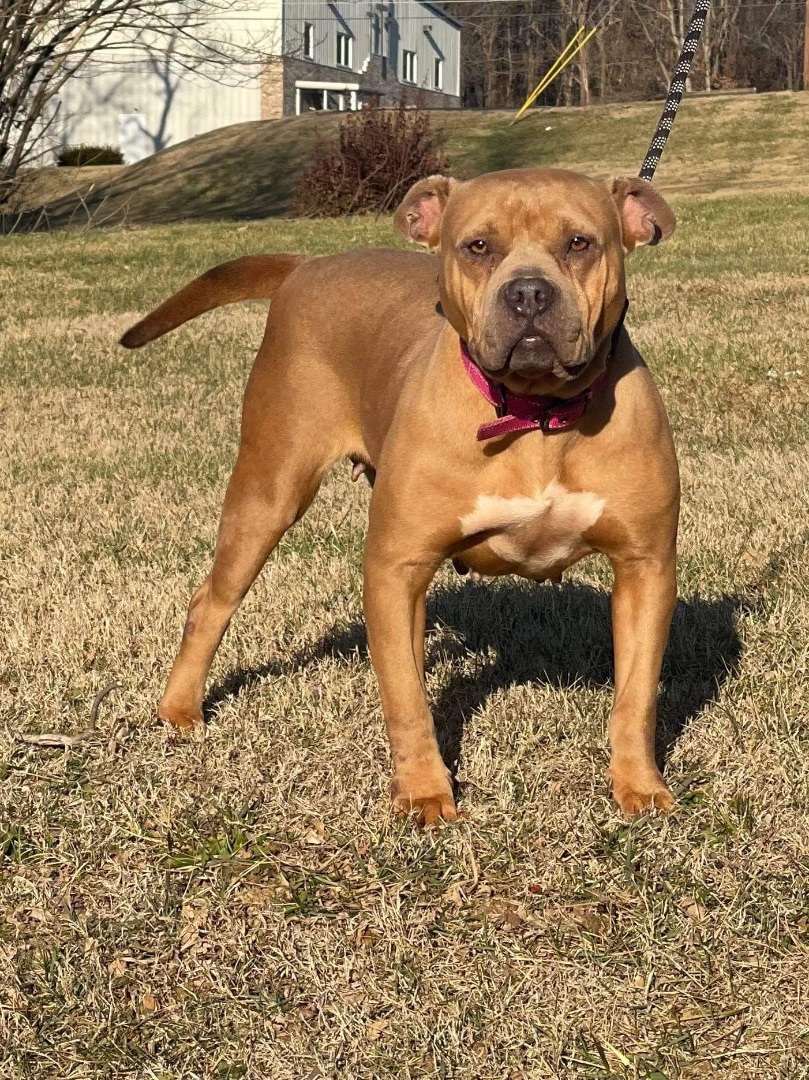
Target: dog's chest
(536, 535)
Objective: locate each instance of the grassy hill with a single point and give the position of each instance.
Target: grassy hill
(249, 171)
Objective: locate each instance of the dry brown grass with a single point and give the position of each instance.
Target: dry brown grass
(242, 905)
(720, 144)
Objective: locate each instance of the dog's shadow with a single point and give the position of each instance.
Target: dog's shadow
(554, 635)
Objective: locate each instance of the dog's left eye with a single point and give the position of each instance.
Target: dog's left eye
(478, 247)
(578, 243)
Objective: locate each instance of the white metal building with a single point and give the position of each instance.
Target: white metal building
(281, 57)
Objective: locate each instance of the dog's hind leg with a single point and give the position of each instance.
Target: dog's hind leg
(263, 500)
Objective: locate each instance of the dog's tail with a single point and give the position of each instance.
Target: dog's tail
(253, 277)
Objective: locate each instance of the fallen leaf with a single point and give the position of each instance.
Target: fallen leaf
(693, 909)
(595, 923)
(691, 1014)
(194, 913)
(117, 967)
(193, 916)
(375, 1029)
(507, 910)
(454, 895)
(316, 834)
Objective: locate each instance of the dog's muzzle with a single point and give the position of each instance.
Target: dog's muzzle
(534, 334)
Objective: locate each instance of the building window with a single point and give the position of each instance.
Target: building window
(308, 40)
(343, 50)
(376, 34)
(310, 100)
(438, 74)
(408, 66)
(324, 97)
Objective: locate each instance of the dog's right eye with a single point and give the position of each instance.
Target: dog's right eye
(478, 247)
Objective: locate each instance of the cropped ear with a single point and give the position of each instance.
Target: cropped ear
(419, 214)
(646, 217)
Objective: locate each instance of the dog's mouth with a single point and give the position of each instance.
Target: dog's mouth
(572, 371)
(535, 355)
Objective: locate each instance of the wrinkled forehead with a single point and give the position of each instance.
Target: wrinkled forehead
(537, 205)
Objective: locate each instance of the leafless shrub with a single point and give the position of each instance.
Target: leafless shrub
(377, 155)
(81, 155)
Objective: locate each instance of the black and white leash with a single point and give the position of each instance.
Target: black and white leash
(676, 90)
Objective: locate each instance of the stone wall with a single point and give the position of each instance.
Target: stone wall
(272, 90)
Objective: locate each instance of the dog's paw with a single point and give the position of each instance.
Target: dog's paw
(183, 719)
(648, 791)
(427, 809)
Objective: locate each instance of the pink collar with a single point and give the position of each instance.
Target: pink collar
(516, 412)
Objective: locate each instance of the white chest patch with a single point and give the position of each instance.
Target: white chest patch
(538, 531)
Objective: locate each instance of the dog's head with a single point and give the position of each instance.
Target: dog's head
(532, 266)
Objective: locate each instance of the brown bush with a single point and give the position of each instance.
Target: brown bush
(82, 155)
(377, 155)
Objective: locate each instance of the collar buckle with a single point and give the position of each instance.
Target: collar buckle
(544, 420)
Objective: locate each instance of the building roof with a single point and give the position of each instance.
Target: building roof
(443, 14)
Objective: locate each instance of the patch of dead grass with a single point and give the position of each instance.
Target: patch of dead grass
(722, 144)
(242, 904)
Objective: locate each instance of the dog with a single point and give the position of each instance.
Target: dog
(494, 397)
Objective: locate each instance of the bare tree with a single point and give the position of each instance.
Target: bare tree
(507, 46)
(44, 43)
(778, 41)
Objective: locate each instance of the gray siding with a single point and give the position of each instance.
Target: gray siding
(407, 29)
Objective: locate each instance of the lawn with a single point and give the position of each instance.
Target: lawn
(722, 143)
(242, 904)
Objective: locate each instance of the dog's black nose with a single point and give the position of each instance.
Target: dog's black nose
(529, 296)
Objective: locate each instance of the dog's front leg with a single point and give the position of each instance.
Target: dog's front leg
(643, 599)
(394, 598)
